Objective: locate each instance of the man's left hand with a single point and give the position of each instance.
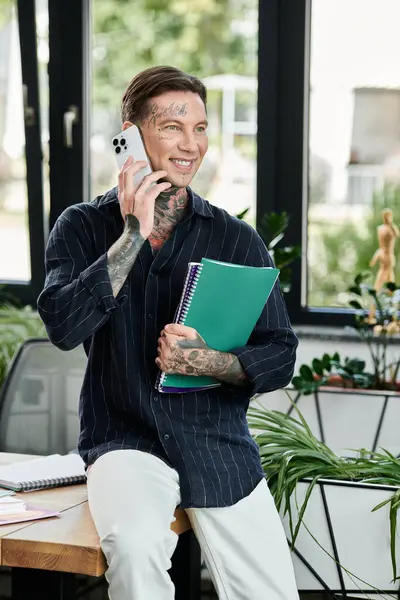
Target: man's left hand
(180, 349)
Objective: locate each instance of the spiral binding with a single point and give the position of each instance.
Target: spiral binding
(38, 484)
(191, 281)
(188, 278)
(188, 294)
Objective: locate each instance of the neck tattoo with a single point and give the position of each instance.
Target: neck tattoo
(170, 208)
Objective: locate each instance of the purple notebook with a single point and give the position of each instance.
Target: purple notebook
(192, 277)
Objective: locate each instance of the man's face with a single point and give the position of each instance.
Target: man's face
(175, 135)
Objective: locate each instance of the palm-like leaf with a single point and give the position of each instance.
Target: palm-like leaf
(290, 453)
(16, 326)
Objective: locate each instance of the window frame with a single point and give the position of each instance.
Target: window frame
(69, 85)
(282, 132)
(282, 140)
(26, 292)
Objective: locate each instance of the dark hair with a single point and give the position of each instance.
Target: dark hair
(151, 83)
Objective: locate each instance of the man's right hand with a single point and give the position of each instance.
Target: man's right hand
(139, 201)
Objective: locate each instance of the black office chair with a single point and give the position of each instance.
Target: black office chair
(39, 399)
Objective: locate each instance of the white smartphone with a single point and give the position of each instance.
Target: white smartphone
(130, 143)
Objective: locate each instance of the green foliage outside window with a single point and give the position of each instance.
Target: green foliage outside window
(5, 11)
(346, 249)
(204, 38)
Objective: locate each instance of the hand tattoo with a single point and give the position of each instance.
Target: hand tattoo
(198, 342)
(194, 357)
(122, 254)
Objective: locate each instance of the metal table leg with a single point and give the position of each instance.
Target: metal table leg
(186, 568)
(46, 585)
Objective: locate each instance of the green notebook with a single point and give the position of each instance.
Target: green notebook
(223, 302)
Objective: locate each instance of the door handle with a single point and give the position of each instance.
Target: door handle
(71, 117)
(29, 111)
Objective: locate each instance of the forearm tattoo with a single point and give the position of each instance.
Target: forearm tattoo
(198, 359)
(123, 253)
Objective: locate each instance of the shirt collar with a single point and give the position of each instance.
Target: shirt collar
(199, 205)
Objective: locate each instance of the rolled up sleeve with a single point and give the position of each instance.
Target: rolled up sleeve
(77, 297)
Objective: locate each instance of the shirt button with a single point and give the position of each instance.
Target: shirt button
(150, 315)
(155, 398)
(166, 436)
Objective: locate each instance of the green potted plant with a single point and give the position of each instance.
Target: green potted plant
(17, 324)
(272, 229)
(342, 399)
(375, 332)
(340, 514)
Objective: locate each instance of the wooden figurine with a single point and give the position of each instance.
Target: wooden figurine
(388, 233)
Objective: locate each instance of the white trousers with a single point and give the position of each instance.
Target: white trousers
(132, 499)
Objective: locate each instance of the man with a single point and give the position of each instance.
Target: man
(115, 272)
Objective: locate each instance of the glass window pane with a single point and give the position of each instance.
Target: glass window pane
(354, 153)
(42, 32)
(14, 230)
(214, 40)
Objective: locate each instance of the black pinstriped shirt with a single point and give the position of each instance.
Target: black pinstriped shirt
(203, 435)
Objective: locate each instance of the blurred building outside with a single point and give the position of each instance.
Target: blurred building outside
(354, 134)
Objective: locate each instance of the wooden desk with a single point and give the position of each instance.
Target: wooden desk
(70, 544)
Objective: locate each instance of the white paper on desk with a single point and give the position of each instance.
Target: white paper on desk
(6, 493)
(10, 505)
(31, 513)
(44, 471)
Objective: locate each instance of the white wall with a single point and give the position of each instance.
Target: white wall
(315, 348)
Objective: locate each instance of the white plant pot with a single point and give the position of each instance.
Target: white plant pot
(347, 420)
(362, 537)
